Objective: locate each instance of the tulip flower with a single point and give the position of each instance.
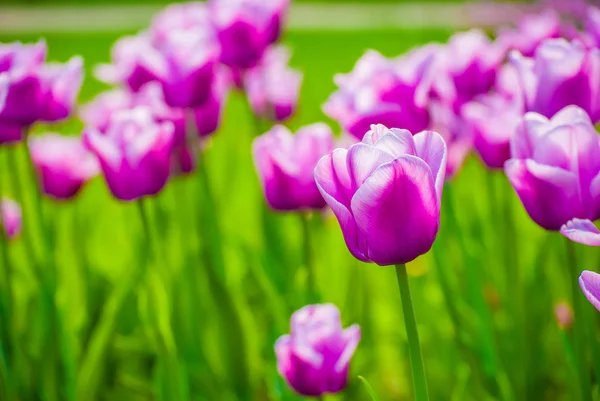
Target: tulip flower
(555, 167)
(590, 285)
(493, 119)
(35, 91)
(532, 29)
(246, 28)
(581, 231)
(314, 358)
(379, 90)
(560, 74)
(466, 67)
(190, 17)
(134, 153)
(592, 24)
(285, 165)
(386, 193)
(11, 217)
(63, 164)
(272, 87)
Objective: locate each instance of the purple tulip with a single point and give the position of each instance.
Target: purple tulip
(379, 90)
(190, 17)
(63, 164)
(314, 358)
(555, 167)
(532, 30)
(11, 217)
(134, 153)
(285, 165)
(590, 285)
(272, 87)
(592, 24)
(493, 119)
(466, 67)
(560, 74)
(386, 193)
(581, 231)
(184, 65)
(35, 91)
(245, 28)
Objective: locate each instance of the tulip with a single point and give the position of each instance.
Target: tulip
(560, 74)
(314, 358)
(378, 90)
(272, 87)
(590, 285)
(493, 119)
(466, 67)
(285, 165)
(190, 17)
(555, 167)
(34, 91)
(592, 24)
(386, 193)
(11, 217)
(581, 231)
(63, 164)
(246, 27)
(532, 30)
(134, 153)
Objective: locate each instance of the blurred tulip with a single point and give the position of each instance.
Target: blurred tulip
(532, 29)
(134, 153)
(63, 164)
(560, 74)
(386, 193)
(314, 358)
(555, 167)
(285, 165)
(466, 67)
(11, 217)
(35, 91)
(184, 65)
(246, 27)
(590, 285)
(379, 90)
(272, 87)
(581, 231)
(592, 24)
(493, 119)
(190, 17)
(564, 315)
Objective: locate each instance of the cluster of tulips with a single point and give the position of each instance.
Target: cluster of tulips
(526, 102)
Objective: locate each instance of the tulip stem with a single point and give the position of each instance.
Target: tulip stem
(578, 324)
(414, 346)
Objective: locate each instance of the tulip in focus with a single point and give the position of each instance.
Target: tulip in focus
(386, 193)
(384, 91)
(63, 164)
(581, 231)
(555, 167)
(560, 74)
(314, 358)
(272, 87)
(590, 285)
(11, 217)
(285, 165)
(134, 153)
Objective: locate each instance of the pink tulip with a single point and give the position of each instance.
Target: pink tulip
(285, 165)
(581, 231)
(63, 164)
(386, 193)
(590, 285)
(314, 358)
(134, 153)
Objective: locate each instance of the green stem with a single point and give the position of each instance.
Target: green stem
(311, 285)
(578, 324)
(414, 346)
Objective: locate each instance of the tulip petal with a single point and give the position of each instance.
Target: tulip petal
(332, 178)
(352, 337)
(397, 142)
(590, 285)
(363, 160)
(431, 148)
(397, 211)
(581, 231)
(531, 128)
(549, 194)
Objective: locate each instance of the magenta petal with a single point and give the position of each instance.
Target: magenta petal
(363, 160)
(581, 231)
(431, 147)
(397, 211)
(590, 285)
(549, 194)
(332, 178)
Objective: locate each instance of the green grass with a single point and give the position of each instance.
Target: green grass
(478, 344)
